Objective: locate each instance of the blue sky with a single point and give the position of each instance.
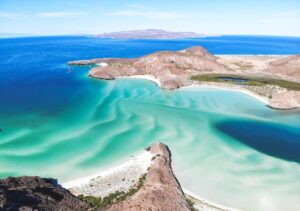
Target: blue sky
(55, 17)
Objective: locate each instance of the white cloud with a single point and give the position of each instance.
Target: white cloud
(290, 17)
(281, 20)
(9, 15)
(147, 14)
(59, 14)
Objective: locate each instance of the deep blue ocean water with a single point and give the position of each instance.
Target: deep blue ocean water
(50, 112)
(30, 65)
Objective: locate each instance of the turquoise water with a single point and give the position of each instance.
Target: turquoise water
(56, 122)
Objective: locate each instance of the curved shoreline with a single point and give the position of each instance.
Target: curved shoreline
(200, 201)
(232, 88)
(146, 77)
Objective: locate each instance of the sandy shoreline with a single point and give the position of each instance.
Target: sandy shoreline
(226, 87)
(232, 88)
(146, 77)
(201, 203)
(118, 178)
(123, 177)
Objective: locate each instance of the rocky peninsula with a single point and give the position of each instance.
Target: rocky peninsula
(274, 79)
(156, 188)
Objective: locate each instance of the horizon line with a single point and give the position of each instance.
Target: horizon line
(24, 35)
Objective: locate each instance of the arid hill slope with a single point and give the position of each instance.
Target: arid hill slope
(172, 69)
(288, 67)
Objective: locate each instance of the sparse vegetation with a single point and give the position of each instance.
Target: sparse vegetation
(247, 80)
(243, 66)
(191, 204)
(113, 198)
(155, 156)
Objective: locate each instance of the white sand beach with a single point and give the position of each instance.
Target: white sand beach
(119, 178)
(146, 77)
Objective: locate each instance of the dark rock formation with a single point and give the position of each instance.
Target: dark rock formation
(35, 193)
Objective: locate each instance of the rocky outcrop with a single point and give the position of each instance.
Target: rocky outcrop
(288, 67)
(285, 100)
(149, 34)
(35, 193)
(161, 190)
(172, 69)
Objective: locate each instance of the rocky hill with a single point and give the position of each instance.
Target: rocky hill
(161, 190)
(172, 69)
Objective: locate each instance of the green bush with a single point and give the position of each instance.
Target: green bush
(249, 80)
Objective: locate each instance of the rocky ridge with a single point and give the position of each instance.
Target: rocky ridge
(161, 190)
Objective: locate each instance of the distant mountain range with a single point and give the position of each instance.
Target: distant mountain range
(149, 34)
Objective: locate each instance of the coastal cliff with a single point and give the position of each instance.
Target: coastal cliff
(275, 79)
(158, 189)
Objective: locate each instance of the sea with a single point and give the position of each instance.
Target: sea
(226, 146)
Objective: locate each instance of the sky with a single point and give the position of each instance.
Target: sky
(64, 17)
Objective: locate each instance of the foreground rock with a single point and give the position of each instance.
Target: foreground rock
(35, 193)
(161, 190)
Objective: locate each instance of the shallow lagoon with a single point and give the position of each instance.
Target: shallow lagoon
(58, 122)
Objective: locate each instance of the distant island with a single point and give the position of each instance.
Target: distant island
(149, 34)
